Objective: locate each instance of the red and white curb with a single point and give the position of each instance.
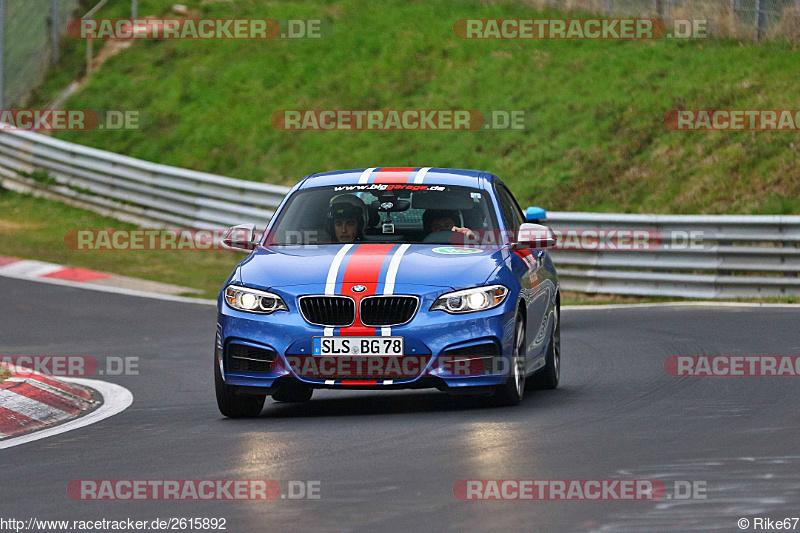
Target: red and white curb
(14, 267)
(30, 403)
(32, 270)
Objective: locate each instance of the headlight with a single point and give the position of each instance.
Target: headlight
(253, 300)
(471, 300)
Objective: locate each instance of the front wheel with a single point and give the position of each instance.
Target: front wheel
(510, 393)
(235, 405)
(549, 376)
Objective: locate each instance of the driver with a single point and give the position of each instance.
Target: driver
(443, 220)
(346, 218)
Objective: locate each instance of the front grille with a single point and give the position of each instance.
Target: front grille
(378, 311)
(243, 358)
(331, 311)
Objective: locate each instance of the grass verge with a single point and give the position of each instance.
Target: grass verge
(34, 228)
(596, 138)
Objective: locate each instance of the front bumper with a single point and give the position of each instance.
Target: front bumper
(443, 351)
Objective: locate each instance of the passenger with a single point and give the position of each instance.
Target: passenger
(444, 220)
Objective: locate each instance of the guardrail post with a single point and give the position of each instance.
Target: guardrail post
(89, 55)
(134, 9)
(759, 21)
(54, 28)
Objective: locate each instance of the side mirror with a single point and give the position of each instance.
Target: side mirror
(535, 214)
(241, 237)
(535, 236)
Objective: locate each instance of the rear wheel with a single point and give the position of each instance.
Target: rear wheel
(550, 375)
(292, 392)
(510, 393)
(235, 405)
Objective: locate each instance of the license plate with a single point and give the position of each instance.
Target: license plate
(358, 345)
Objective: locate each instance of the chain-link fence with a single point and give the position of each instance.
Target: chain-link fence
(29, 31)
(741, 19)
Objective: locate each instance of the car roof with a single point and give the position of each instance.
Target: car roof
(396, 175)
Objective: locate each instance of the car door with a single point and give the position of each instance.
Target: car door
(527, 263)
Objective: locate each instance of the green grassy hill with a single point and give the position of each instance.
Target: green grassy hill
(597, 140)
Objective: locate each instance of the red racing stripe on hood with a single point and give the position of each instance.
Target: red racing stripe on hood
(363, 268)
(393, 175)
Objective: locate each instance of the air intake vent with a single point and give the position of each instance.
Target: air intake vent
(243, 358)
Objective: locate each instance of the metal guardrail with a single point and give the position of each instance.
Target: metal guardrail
(131, 189)
(696, 256)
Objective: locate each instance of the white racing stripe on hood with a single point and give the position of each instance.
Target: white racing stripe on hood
(421, 174)
(365, 175)
(394, 264)
(333, 271)
(391, 277)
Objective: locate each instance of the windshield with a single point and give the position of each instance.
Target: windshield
(382, 214)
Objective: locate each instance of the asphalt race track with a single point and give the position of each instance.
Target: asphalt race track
(388, 461)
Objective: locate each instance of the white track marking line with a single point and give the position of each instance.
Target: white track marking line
(114, 290)
(421, 174)
(115, 400)
(365, 175)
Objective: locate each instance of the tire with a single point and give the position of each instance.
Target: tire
(549, 376)
(235, 405)
(510, 393)
(292, 392)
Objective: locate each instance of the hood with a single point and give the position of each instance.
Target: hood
(416, 264)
